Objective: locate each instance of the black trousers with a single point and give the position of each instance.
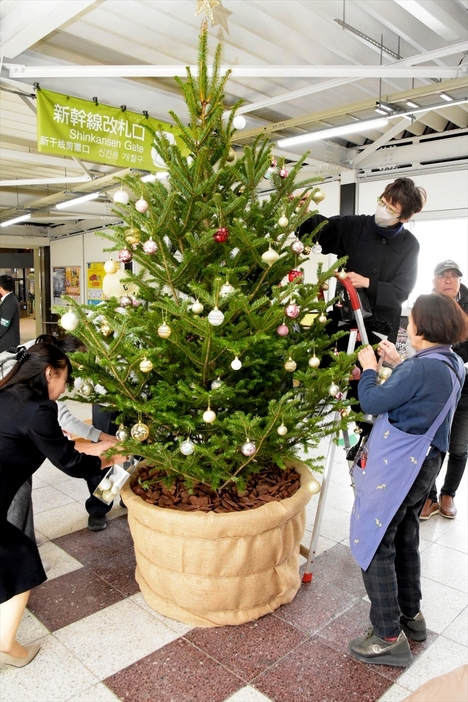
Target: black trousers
(102, 419)
(393, 578)
(458, 451)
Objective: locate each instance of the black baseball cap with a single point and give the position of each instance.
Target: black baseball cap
(447, 266)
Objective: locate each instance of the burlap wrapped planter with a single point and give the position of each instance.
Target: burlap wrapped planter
(210, 569)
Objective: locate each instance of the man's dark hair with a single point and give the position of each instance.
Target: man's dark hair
(404, 192)
(439, 319)
(7, 283)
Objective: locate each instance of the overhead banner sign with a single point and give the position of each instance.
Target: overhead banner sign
(70, 126)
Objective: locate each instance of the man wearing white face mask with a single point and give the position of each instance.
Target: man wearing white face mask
(382, 254)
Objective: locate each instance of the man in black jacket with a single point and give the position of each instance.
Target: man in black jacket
(382, 254)
(447, 282)
(9, 314)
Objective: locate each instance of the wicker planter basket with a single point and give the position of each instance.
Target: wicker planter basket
(209, 569)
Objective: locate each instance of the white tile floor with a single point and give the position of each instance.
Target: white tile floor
(69, 652)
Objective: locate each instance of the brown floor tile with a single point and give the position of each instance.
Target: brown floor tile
(178, 672)
(119, 571)
(90, 547)
(314, 672)
(250, 648)
(64, 600)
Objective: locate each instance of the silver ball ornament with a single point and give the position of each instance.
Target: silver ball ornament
(385, 373)
(333, 390)
(249, 448)
(86, 388)
(316, 249)
(216, 317)
(139, 431)
(216, 384)
(226, 289)
(122, 433)
(297, 246)
(187, 447)
(125, 301)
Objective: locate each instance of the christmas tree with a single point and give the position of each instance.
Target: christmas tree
(208, 364)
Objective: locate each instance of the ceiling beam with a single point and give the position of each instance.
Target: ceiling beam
(384, 139)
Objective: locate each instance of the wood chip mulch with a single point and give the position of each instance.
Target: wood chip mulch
(268, 485)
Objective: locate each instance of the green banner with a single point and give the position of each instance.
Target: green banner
(70, 126)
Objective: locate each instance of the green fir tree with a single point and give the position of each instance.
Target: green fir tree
(211, 230)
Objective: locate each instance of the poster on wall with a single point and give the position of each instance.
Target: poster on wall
(96, 275)
(66, 281)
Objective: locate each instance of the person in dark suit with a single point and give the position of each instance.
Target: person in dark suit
(30, 433)
(9, 314)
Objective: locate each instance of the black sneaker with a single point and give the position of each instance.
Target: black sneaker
(97, 522)
(373, 649)
(414, 627)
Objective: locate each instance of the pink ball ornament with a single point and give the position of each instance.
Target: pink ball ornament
(150, 247)
(126, 301)
(283, 173)
(282, 330)
(249, 448)
(292, 311)
(125, 255)
(356, 373)
(297, 246)
(141, 205)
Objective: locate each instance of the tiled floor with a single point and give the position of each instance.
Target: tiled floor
(101, 642)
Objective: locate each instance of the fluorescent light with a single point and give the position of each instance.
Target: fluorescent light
(410, 103)
(381, 111)
(44, 181)
(76, 201)
(446, 97)
(16, 220)
(333, 132)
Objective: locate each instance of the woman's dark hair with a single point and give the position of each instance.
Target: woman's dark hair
(439, 319)
(30, 370)
(404, 192)
(68, 344)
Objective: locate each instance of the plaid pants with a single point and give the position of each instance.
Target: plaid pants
(392, 580)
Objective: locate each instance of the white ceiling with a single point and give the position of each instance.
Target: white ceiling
(320, 74)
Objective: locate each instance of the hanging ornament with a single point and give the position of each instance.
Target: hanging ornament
(333, 390)
(236, 364)
(324, 286)
(164, 331)
(70, 321)
(141, 205)
(77, 383)
(146, 365)
(296, 383)
(111, 267)
(249, 448)
(105, 328)
(314, 362)
(86, 388)
(322, 318)
(226, 289)
(125, 255)
(209, 416)
(239, 122)
(270, 256)
(197, 307)
(273, 163)
(292, 310)
(290, 365)
(139, 431)
(136, 302)
(282, 330)
(336, 352)
(356, 373)
(221, 235)
(357, 430)
(231, 157)
(187, 447)
(125, 301)
(342, 275)
(283, 173)
(283, 221)
(132, 236)
(122, 433)
(292, 275)
(316, 249)
(269, 173)
(345, 412)
(318, 196)
(150, 247)
(216, 384)
(297, 246)
(384, 374)
(121, 197)
(282, 429)
(216, 317)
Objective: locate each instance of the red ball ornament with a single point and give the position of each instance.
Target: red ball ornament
(125, 255)
(282, 330)
(292, 275)
(283, 173)
(292, 311)
(221, 235)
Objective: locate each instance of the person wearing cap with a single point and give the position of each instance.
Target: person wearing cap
(447, 275)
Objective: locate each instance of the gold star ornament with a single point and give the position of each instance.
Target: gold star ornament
(206, 7)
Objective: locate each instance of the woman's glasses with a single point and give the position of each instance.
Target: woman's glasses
(389, 209)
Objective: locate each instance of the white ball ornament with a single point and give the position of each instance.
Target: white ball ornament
(290, 365)
(333, 390)
(121, 197)
(105, 484)
(322, 319)
(70, 321)
(187, 447)
(209, 416)
(249, 448)
(314, 362)
(216, 384)
(107, 495)
(146, 365)
(150, 247)
(239, 122)
(342, 275)
(197, 307)
(316, 249)
(216, 317)
(270, 256)
(282, 430)
(236, 364)
(141, 205)
(111, 266)
(164, 331)
(226, 289)
(314, 486)
(283, 221)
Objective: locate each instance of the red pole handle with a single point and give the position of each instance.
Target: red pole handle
(353, 296)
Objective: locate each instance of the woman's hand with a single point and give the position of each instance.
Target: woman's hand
(388, 352)
(367, 359)
(359, 281)
(116, 458)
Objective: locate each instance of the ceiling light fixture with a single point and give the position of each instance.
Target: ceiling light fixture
(76, 201)
(446, 97)
(333, 132)
(410, 103)
(16, 220)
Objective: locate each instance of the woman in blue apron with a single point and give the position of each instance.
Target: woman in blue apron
(396, 468)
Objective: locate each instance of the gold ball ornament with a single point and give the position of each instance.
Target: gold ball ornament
(132, 236)
(139, 431)
(296, 383)
(345, 412)
(318, 196)
(164, 331)
(86, 388)
(385, 373)
(231, 157)
(314, 486)
(290, 365)
(105, 329)
(111, 266)
(146, 365)
(314, 362)
(324, 286)
(357, 430)
(282, 429)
